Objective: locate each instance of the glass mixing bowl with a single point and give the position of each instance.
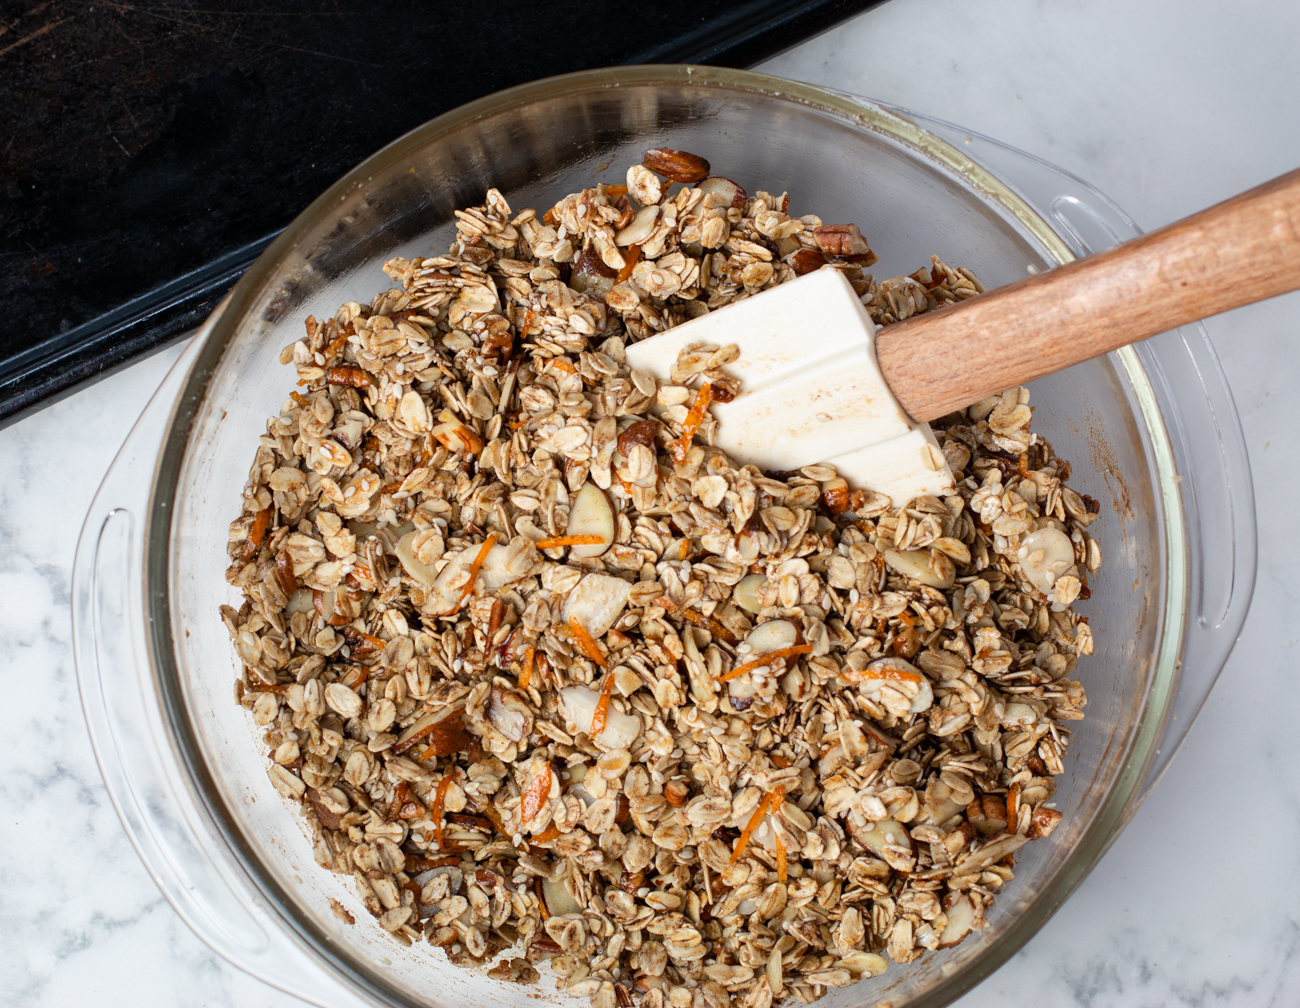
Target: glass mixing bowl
(1151, 432)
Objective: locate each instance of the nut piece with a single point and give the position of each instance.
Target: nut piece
(807, 261)
(733, 192)
(679, 166)
(844, 241)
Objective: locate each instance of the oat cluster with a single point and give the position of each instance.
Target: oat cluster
(548, 673)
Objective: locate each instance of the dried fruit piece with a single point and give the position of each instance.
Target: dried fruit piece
(781, 866)
(680, 166)
(835, 495)
(640, 433)
(347, 374)
(444, 730)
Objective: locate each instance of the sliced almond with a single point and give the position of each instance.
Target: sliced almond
(579, 705)
(732, 192)
(404, 549)
(864, 964)
(591, 514)
(929, 567)
(642, 226)
(961, 918)
(509, 715)
(300, 602)
(1044, 556)
(745, 593)
(559, 900)
(597, 602)
(771, 636)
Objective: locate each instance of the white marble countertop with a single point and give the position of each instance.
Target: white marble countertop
(1165, 107)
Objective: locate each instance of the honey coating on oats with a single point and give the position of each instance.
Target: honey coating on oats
(549, 675)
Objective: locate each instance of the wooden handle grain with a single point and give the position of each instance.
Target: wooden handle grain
(1241, 251)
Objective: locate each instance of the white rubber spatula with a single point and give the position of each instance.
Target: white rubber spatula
(821, 384)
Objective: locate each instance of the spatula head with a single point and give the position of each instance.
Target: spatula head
(811, 390)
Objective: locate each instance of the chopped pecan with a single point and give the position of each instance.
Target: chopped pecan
(844, 241)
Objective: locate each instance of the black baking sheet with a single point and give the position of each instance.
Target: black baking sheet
(149, 152)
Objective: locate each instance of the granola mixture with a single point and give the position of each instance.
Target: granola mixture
(545, 671)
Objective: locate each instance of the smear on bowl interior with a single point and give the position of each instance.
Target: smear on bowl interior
(549, 676)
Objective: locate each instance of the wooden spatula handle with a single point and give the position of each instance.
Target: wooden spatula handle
(1243, 250)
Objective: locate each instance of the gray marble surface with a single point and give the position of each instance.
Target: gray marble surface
(1167, 107)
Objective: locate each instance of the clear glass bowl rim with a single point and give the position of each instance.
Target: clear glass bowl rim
(1123, 790)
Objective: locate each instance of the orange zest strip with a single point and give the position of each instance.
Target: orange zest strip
(588, 643)
(554, 542)
(601, 712)
(770, 801)
(355, 677)
(547, 835)
(767, 659)
(527, 323)
(299, 398)
(494, 817)
(257, 532)
(476, 566)
(779, 760)
(699, 619)
(781, 869)
(561, 364)
(616, 190)
(526, 676)
(694, 418)
(435, 812)
(630, 259)
(535, 794)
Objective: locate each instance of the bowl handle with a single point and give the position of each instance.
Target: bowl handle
(1200, 417)
(174, 835)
